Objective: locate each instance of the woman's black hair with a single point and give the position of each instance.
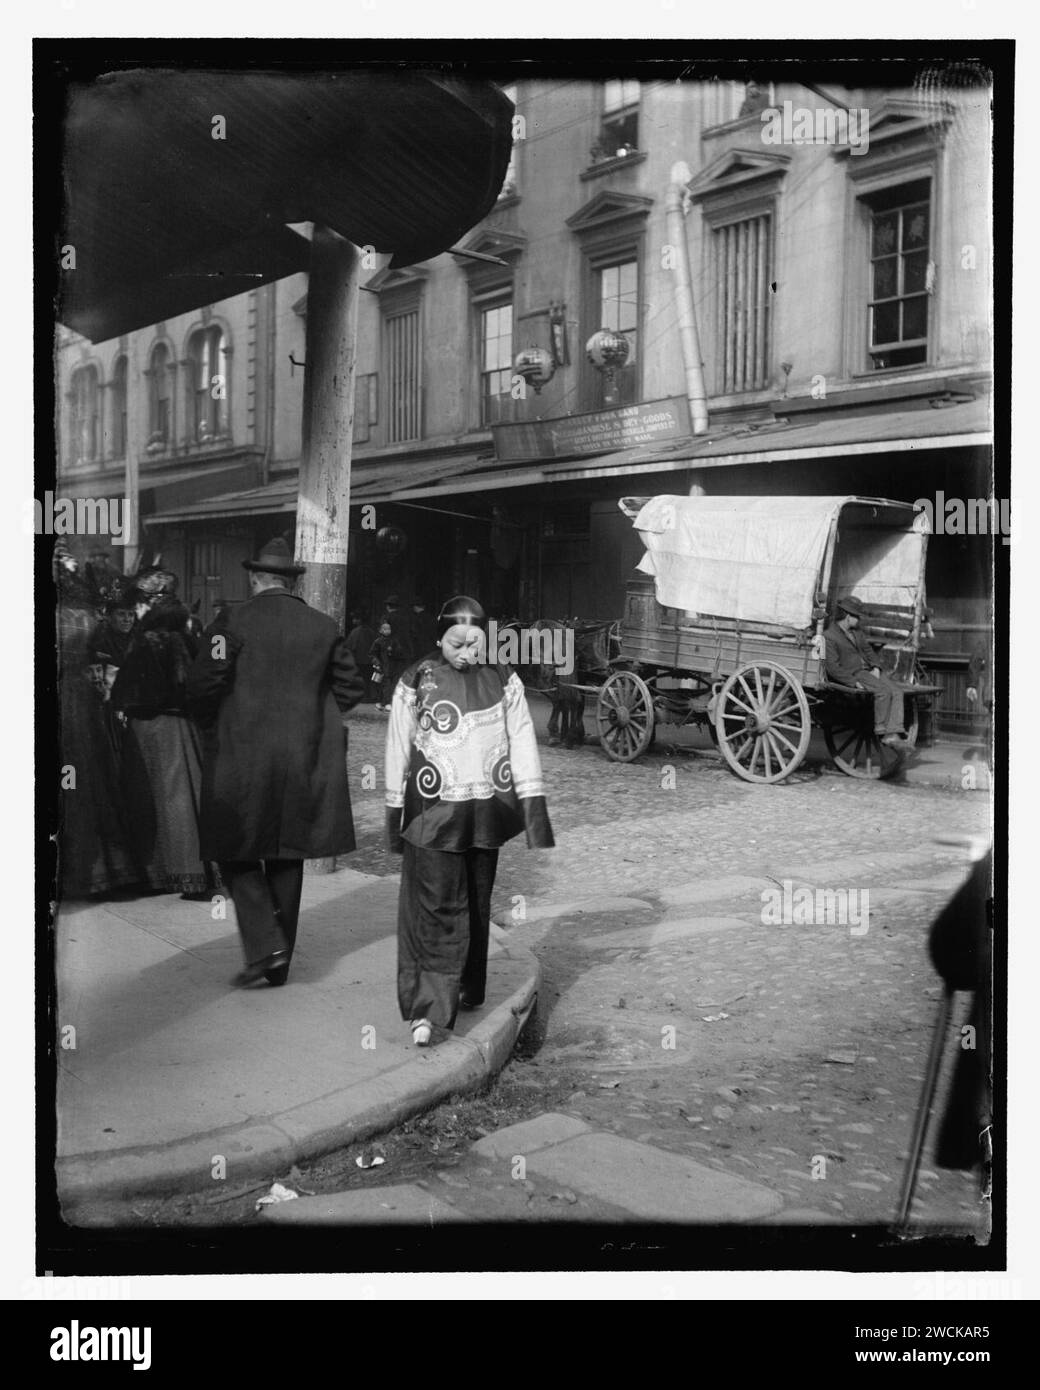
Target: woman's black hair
(460, 609)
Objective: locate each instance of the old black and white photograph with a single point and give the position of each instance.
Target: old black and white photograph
(522, 536)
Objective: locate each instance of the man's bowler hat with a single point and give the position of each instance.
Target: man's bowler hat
(275, 558)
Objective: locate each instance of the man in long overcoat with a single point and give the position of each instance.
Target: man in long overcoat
(271, 683)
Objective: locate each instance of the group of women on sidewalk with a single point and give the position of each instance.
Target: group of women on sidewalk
(131, 764)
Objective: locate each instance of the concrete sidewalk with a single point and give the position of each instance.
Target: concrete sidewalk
(169, 1071)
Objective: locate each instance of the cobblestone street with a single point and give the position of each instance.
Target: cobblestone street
(791, 1055)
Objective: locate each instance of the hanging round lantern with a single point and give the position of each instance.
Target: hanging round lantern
(607, 350)
(536, 366)
(391, 541)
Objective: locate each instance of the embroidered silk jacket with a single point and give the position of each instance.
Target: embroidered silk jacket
(462, 766)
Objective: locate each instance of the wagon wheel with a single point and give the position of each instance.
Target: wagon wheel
(625, 716)
(855, 748)
(763, 723)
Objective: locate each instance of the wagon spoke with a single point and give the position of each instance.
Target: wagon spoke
(758, 686)
(778, 753)
(767, 760)
(773, 733)
(785, 709)
(839, 750)
(753, 707)
(734, 700)
(771, 688)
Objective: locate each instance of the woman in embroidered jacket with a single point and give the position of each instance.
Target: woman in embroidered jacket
(462, 777)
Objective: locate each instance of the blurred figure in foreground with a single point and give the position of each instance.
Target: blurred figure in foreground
(94, 849)
(961, 947)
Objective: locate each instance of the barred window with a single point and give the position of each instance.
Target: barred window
(403, 357)
(743, 258)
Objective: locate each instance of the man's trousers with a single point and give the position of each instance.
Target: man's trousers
(888, 702)
(266, 894)
(443, 917)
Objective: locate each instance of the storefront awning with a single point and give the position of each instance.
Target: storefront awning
(963, 425)
(372, 480)
(408, 479)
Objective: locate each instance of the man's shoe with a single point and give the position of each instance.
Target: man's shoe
(895, 740)
(253, 974)
(278, 976)
(470, 1004)
(422, 1032)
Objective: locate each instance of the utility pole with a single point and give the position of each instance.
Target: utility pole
(136, 417)
(323, 506)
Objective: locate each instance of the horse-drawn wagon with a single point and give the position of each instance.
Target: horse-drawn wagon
(726, 628)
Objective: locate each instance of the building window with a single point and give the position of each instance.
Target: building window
(84, 399)
(617, 298)
(207, 385)
(496, 362)
(366, 406)
(619, 127)
(900, 275)
(159, 398)
(742, 271)
(119, 409)
(403, 358)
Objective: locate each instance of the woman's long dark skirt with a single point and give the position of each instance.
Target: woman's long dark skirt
(443, 915)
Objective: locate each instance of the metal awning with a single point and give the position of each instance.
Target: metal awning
(163, 217)
(375, 480)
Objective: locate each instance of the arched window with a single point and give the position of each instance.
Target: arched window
(118, 417)
(84, 400)
(159, 404)
(207, 384)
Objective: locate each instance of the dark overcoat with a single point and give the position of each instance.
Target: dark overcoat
(269, 699)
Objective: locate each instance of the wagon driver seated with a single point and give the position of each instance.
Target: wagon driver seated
(852, 660)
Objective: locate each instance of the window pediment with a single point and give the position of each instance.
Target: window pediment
(897, 118)
(490, 241)
(408, 277)
(607, 208)
(759, 170)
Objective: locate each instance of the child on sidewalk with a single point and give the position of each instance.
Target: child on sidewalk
(387, 664)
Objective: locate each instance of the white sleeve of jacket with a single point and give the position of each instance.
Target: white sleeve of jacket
(524, 762)
(400, 738)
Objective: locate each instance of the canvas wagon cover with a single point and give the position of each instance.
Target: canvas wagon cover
(753, 558)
